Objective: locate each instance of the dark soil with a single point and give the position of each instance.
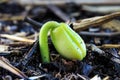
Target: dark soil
(26, 57)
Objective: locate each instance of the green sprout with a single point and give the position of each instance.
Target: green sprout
(66, 41)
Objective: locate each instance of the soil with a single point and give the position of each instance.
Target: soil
(26, 56)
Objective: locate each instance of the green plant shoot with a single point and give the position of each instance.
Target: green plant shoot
(66, 41)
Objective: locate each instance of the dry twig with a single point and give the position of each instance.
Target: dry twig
(95, 48)
(59, 13)
(61, 2)
(2, 1)
(106, 78)
(95, 21)
(100, 34)
(3, 47)
(101, 8)
(110, 46)
(6, 65)
(6, 17)
(16, 38)
(113, 25)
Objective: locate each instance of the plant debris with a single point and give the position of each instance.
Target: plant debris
(20, 57)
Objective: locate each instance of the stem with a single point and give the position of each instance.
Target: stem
(43, 40)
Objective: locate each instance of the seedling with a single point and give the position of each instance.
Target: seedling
(66, 41)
